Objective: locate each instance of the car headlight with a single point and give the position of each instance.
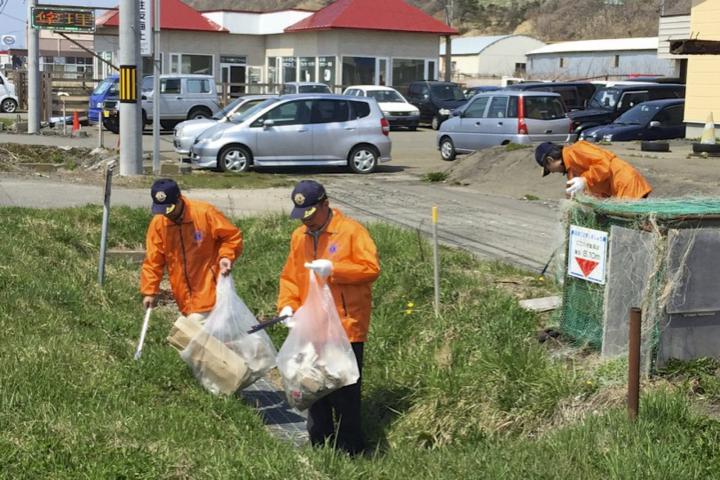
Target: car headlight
(607, 138)
(414, 111)
(99, 105)
(444, 111)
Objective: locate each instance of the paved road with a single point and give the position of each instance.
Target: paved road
(521, 232)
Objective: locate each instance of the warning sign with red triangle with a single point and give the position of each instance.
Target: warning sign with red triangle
(587, 254)
(586, 265)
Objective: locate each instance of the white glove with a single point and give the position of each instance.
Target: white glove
(575, 185)
(289, 322)
(321, 267)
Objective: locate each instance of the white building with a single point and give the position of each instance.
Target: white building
(478, 60)
(605, 59)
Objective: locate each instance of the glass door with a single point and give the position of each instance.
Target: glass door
(234, 76)
(381, 71)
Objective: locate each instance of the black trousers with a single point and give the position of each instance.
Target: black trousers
(335, 418)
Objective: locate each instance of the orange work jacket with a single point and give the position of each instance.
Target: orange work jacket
(606, 175)
(348, 245)
(191, 251)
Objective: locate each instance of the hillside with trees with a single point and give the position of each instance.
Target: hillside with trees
(548, 20)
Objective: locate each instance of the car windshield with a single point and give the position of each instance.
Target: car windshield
(232, 106)
(147, 84)
(605, 98)
(639, 115)
(389, 96)
(314, 89)
(104, 86)
(447, 92)
(241, 117)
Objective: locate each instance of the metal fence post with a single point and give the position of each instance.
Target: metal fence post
(105, 221)
(634, 363)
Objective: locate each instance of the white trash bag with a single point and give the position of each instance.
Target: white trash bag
(316, 358)
(223, 356)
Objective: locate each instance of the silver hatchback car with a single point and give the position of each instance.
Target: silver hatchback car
(501, 117)
(295, 130)
(186, 132)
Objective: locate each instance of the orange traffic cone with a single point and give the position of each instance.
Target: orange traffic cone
(76, 122)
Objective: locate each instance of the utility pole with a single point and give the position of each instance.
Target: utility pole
(33, 71)
(449, 12)
(131, 159)
(156, 87)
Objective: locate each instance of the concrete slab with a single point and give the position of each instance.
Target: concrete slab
(630, 264)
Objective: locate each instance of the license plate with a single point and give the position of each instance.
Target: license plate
(106, 114)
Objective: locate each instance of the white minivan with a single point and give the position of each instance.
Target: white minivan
(8, 99)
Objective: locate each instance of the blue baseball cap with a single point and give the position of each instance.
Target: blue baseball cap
(305, 196)
(165, 193)
(541, 152)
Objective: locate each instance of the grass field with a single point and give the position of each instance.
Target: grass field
(468, 395)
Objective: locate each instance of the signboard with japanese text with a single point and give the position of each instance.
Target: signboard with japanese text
(145, 27)
(587, 254)
(63, 19)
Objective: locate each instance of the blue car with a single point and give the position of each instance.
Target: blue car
(106, 90)
(651, 120)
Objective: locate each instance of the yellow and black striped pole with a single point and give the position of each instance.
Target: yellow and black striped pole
(128, 83)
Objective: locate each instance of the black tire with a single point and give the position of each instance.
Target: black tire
(8, 105)
(363, 159)
(112, 125)
(199, 112)
(655, 146)
(447, 149)
(706, 148)
(234, 159)
(168, 124)
(435, 123)
(144, 121)
(412, 128)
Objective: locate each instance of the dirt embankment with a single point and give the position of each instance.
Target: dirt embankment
(514, 173)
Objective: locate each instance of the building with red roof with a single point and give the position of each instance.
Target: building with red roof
(347, 42)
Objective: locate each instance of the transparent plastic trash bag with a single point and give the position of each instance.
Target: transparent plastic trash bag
(316, 358)
(222, 355)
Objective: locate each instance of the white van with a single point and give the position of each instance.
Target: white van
(8, 99)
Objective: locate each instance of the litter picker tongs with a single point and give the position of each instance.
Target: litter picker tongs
(263, 325)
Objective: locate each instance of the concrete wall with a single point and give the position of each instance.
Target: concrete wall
(702, 95)
(202, 43)
(585, 65)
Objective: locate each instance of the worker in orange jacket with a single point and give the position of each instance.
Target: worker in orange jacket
(194, 241)
(592, 168)
(340, 251)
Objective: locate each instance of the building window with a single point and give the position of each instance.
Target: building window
(520, 68)
(405, 71)
(327, 70)
(174, 63)
(307, 69)
(617, 61)
(358, 70)
(562, 62)
(289, 69)
(273, 77)
(202, 64)
(147, 65)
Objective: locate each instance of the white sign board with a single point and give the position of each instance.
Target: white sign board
(145, 12)
(587, 253)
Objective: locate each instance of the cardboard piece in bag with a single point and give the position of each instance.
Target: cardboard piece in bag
(182, 331)
(217, 367)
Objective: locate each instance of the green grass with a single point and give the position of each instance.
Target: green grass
(468, 395)
(510, 147)
(214, 180)
(432, 177)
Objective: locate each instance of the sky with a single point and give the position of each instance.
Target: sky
(14, 12)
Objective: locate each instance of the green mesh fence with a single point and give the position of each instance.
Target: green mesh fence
(581, 315)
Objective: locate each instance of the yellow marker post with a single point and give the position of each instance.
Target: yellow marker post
(436, 259)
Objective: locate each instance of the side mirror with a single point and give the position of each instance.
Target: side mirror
(654, 124)
(143, 97)
(456, 113)
(268, 123)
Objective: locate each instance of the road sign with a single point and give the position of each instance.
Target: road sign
(587, 254)
(145, 13)
(128, 83)
(8, 40)
(63, 19)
